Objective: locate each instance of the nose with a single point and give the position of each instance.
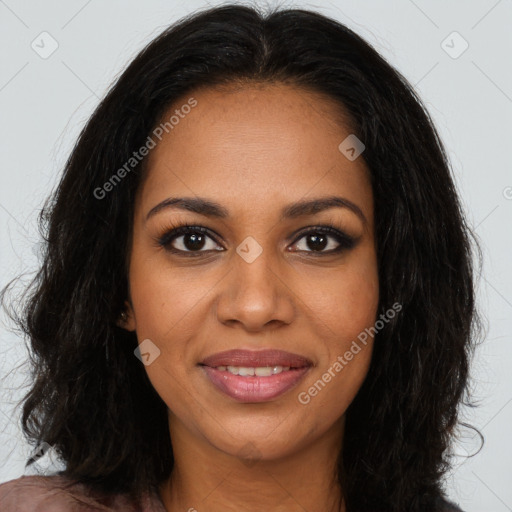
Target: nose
(255, 296)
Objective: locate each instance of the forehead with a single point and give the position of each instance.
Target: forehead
(259, 142)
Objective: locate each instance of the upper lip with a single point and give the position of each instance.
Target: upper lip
(251, 358)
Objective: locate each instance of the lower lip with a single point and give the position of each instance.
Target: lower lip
(255, 389)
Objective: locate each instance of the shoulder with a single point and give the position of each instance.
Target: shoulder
(56, 493)
(38, 493)
(447, 506)
(35, 493)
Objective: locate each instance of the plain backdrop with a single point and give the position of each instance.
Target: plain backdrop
(455, 53)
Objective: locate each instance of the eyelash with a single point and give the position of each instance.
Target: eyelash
(174, 231)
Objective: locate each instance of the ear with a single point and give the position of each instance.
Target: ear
(127, 318)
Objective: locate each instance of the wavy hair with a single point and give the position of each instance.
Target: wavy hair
(91, 399)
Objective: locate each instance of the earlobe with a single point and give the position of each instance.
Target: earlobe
(126, 319)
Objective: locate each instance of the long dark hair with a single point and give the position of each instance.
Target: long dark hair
(91, 399)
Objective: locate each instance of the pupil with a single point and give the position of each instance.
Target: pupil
(319, 242)
(193, 241)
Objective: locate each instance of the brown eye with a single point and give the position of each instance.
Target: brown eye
(188, 239)
(319, 239)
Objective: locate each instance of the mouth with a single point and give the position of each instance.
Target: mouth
(250, 376)
(256, 359)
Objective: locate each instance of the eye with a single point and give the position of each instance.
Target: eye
(188, 239)
(195, 240)
(325, 237)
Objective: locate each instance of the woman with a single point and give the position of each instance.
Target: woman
(257, 291)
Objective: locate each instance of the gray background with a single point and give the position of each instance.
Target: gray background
(44, 102)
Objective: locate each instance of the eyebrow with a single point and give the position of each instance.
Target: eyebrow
(212, 209)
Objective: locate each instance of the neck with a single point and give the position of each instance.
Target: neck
(250, 478)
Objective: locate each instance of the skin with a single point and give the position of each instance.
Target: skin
(254, 149)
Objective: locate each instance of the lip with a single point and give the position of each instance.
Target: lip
(254, 388)
(252, 358)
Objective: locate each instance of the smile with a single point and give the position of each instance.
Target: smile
(248, 371)
(254, 388)
(255, 376)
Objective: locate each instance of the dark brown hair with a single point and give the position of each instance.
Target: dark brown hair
(101, 413)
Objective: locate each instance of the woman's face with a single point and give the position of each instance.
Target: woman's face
(263, 276)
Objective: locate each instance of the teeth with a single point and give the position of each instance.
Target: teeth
(265, 371)
(244, 372)
(261, 371)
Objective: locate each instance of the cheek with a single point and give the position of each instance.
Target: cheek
(357, 306)
(345, 311)
(346, 300)
(347, 350)
(164, 302)
(163, 298)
